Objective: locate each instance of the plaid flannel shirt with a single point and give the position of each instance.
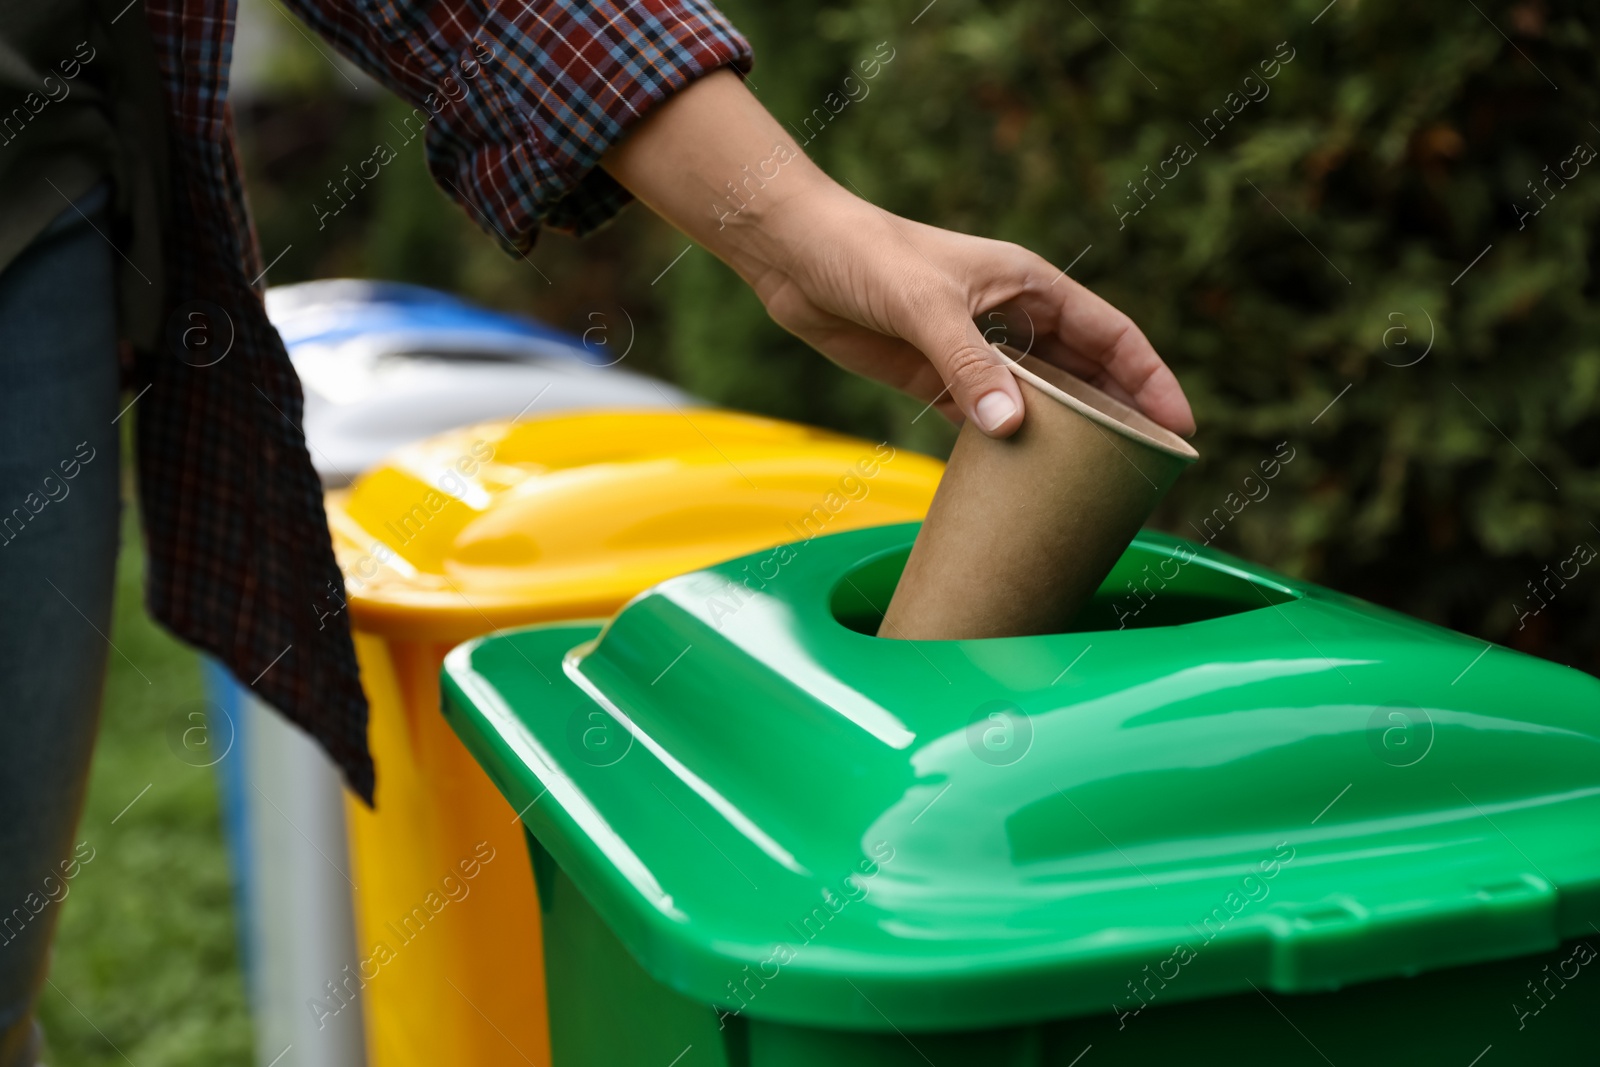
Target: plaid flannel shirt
(521, 98)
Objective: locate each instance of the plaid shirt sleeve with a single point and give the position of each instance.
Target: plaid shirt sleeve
(517, 103)
(518, 100)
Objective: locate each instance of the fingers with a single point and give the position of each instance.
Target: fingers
(871, 306)
(1131, 364)
(1161, 397)
(976, 376)
(1093, 330)
(896, 363)
(1050, 348)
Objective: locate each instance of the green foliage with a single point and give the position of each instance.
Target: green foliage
(1330, 219)
(1342, 200)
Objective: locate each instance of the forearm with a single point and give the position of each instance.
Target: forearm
(713, 162)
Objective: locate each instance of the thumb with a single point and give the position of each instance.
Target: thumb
(974, 371)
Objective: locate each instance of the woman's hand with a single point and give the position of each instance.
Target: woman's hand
(882, 296)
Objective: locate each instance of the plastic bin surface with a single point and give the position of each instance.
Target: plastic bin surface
(552, 517)
(1301, 790)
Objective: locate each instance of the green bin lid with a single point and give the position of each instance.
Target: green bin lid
(1300, 787)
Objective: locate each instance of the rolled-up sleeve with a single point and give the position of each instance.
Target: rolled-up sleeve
(516, 102)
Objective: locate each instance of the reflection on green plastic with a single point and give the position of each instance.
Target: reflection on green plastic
(1257, 781)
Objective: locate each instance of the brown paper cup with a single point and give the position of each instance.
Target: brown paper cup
(1022, 531)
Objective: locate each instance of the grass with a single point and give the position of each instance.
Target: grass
(146, 969)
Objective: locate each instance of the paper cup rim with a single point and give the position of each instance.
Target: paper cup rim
(1098, 406)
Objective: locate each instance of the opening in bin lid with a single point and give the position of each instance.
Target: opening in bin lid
(567, 516)
(1256, 780)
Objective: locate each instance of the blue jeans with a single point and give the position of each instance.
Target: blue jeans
(59, 510)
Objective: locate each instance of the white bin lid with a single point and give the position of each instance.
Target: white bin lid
(384, 364)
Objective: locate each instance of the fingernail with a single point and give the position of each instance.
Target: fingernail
(993, 409)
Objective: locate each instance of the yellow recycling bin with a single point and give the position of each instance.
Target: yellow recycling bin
(506, 524)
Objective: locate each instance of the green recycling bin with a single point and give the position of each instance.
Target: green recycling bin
(1228, 817)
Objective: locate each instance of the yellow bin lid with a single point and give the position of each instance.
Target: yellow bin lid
(568, 516)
